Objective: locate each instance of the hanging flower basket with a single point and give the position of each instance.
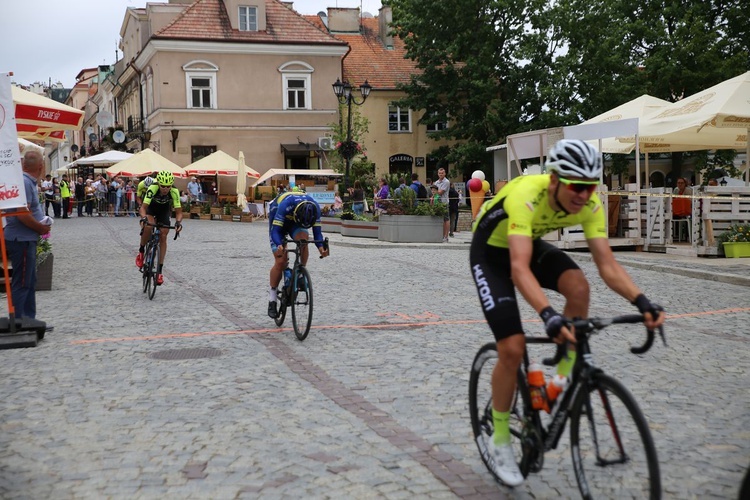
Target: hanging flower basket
(348, 149)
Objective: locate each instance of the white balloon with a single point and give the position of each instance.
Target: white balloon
(478, 174)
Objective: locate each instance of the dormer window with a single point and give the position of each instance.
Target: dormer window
(248, 18)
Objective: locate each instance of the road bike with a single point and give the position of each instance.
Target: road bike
(296, 291)
(611, 446)
(151, 257)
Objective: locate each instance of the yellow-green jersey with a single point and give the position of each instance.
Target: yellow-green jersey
(140, 191)
(154, 196)
(522, 207)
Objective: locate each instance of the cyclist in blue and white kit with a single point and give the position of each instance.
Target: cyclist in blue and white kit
(291, 213)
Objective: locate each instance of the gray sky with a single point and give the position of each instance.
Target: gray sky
(55, 39)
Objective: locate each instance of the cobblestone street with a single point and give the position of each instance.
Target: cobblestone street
(374, 404)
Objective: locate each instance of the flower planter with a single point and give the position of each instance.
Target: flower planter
(736, 249)
(411, 229)
(217, 210)
(330, 224)
(205, 216)
(44, 272)
(359, 228)
(228, 218)
(246, 218)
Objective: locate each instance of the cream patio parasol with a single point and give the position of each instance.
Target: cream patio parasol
(38, 117)
(241, 181)
(715, 118)
(145, 163)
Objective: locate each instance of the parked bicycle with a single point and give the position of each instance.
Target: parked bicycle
(151, 257)
(296, 291)
(611, 446)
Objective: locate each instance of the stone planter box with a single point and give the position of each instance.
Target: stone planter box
(359, 228)
(44, 273)
(330, 224)
(410, 229)
(737, 249)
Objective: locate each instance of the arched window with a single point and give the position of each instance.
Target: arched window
(296, 80)
(200, 82)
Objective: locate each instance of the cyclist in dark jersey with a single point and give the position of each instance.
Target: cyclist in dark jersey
(507, 253)
(158, 201)
(291, 213)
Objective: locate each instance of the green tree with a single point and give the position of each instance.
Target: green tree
(473, 70)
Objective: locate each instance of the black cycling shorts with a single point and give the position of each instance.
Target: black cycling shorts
(162, 212)
(490, 267)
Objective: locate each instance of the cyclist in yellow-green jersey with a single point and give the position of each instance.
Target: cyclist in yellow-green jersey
(507, 252)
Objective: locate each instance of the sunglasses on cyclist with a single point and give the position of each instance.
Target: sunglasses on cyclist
(579, 186)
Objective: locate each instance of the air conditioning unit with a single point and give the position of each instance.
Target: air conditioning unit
(325, 143)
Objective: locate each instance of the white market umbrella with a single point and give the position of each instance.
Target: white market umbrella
(106, 159)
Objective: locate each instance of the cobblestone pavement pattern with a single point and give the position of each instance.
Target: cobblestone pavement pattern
(372, 405)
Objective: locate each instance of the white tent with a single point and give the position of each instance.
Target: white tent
(106, 159)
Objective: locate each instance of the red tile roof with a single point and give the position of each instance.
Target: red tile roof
(207, 20)
(370, 60)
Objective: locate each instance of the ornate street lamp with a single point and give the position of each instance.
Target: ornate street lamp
(345, 95)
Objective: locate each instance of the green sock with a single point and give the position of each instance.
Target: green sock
(565, 366)
(501, 420)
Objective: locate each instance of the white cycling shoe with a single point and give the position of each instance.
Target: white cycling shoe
(505, 467)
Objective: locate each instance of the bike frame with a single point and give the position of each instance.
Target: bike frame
(583, 372)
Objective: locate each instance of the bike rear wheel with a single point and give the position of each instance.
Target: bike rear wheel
(612, 449)
(302, 303)
(524, 436)
(152, 261)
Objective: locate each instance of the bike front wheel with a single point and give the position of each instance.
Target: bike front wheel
(302, 303)
(280, 306)
(152, 260)
(612, 449)
(524, 434)
(144, 270)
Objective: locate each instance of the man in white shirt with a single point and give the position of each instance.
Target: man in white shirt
(444, 186)
(49, 193)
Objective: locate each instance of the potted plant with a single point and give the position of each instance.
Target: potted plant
(226, 212)
(358, 226)
(44, 263)
(405, 221)
(206, 212)
(736, 240)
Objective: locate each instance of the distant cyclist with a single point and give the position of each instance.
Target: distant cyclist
(158, 202)
(291, 213)
(507, 253)
(140, 191)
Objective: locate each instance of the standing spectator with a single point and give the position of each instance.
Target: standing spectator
(102, 190)
(65, 194)
(453, 210)
(213, 192)
(444, 186)
(130, 197)
(435, 199)
(420, 191)
(56, 198)
(358, 198)
(381, 193)
(194, 190)
(90, 191)
(21, 236)
(49, 193)
(119, 197)
(401, 186)
(80, 195)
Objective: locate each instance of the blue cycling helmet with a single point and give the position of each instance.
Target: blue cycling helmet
(306, 213)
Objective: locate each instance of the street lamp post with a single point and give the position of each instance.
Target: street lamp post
(345, 95)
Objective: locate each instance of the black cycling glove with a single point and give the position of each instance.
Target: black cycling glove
(143, 220)
(553, 321)
(645, 306)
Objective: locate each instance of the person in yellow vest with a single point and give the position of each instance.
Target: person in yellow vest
(65, 195)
